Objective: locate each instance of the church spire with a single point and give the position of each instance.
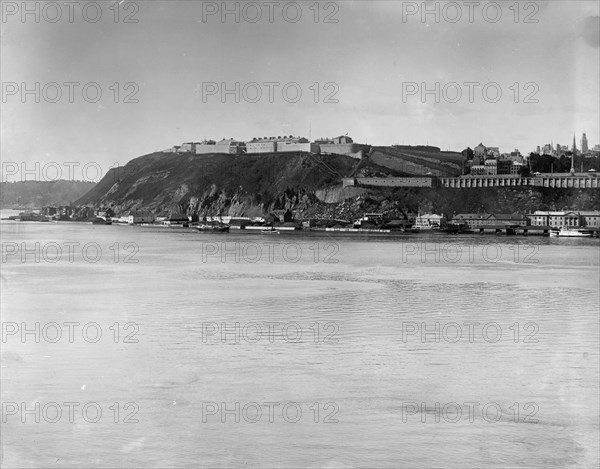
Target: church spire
(573, 151)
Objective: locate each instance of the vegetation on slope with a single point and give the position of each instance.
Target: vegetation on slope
(37, 194)
(217, 183)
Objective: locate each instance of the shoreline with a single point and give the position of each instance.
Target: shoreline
(342, 232)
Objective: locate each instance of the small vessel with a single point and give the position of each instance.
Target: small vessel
(29, 216)
(102, 221)
(456, 228)
(270, 230)
(426, 222)
(565, 232)
(214, 228)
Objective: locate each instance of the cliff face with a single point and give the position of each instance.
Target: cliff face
(211, 184)
(255, 185)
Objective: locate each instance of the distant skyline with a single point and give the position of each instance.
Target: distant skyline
(369, 61)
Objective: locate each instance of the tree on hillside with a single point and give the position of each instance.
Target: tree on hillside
(524, 171)
(467, 153)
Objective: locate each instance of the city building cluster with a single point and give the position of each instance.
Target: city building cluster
(559, 150)
(487, 161)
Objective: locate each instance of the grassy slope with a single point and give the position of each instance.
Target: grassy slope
(444, 164)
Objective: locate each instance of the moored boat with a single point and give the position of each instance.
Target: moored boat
(214, 228)
(270, 230)
(102, 221)
(564, 232)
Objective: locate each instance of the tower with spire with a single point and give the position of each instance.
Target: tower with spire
(573, 151)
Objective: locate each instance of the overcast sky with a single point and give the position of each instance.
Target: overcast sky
(364, 61)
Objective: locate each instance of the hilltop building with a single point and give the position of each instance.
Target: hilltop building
(342, 145)
(262, 145)
(491, 167)
(493, 152)
(480, 151)
(189, 147)
(280, 145)
(229, 146)
(547, 149)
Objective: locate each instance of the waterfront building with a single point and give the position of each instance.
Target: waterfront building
(508, 219)
(138, 217)
(49, 211)
(590, 218)
(177, 219)
(559, 219)
(482, 220)
(428, 221)
(472, 220)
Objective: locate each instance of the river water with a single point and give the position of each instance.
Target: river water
(154, 347)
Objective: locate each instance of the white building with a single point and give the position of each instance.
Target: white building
(296, 144)
(428, 221)
(280, 145)
(229, 146)
(140, 217)
(558, 219)
(188, 147)
(262, 145)
(491, 167)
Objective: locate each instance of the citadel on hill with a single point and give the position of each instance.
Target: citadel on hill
(483, 166)
(342, 145)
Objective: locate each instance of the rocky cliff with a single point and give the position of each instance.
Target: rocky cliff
(308, 185)
(218, 184)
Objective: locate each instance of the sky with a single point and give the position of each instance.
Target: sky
(361, 68)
